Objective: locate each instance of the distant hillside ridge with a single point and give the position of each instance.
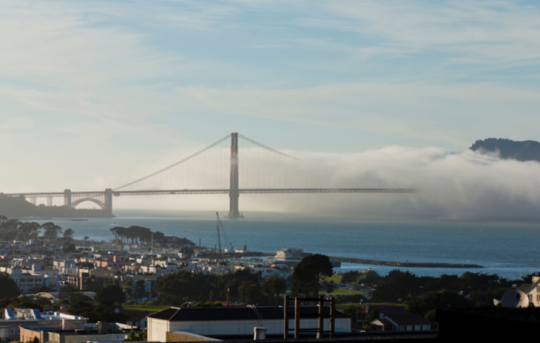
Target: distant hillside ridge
(509, 149)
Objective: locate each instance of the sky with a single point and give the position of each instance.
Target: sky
(94, 94)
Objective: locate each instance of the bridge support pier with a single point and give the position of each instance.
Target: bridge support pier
(233, 192)
(67, 198)
(108, 201)
(233, 205)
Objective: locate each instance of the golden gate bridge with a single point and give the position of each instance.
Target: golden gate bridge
(215, 170)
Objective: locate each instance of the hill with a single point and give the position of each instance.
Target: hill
(509, 149)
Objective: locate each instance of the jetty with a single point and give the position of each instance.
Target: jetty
(405, 264)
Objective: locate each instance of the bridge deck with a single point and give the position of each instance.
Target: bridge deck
(222, 191)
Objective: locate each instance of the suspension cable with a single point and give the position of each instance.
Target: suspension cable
(174, 164)
(266, 147)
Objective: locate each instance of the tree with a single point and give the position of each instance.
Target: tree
(9, 229)
(350, 277)
(69, 248)
(371, 278)
(187, 250)
(29, 231)
(436, 300)
(250, 291)
(112, 293)
(273, 286)
(329, 287)
(140, 289)
(68, 235)
(175, 289)
(127, 287)
(399, 286)
(67, 292)
(8, 286)
(528, 278)
(307, 273)
(51, 232)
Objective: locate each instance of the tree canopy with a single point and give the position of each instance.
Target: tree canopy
(8, 286)
(307, 273)
(436, 300)
(112, 293)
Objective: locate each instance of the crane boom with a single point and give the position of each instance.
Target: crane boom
(219, 223)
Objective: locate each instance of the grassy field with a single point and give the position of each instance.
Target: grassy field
(339, 291)
(335, 278)
(152, 308)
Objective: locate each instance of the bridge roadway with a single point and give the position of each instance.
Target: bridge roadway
(221, 191)
(105, 199)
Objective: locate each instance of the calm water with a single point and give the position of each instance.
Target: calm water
(508, 249)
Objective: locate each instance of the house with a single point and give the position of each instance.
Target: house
(401, 322)
(234, 321)
(532, 290)
(394, 318)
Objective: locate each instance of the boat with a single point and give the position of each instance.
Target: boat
(290, 254)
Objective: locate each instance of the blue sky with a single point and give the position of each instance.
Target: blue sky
(108, 90)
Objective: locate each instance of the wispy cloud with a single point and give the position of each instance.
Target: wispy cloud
(14, 125)
(472, 31)
(421, 111)
(105, 80)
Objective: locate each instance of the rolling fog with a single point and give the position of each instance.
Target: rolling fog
(453, 186)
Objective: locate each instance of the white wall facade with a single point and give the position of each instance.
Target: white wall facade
(158, 328)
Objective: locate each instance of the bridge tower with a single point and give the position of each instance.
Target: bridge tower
(67, 198)
(108, 201)
(233, 192)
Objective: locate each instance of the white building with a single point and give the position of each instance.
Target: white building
(14, 318)
(234, 321)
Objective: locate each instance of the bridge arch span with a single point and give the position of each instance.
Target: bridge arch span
(77, 202)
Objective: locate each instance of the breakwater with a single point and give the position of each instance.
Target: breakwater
(405, 264)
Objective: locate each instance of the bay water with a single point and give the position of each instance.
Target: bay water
(509, 249)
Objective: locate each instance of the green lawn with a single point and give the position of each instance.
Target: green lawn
(339, 291)
(335, 278)
(152, 308)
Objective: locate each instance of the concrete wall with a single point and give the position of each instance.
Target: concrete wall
(27, 335)
(157, 330)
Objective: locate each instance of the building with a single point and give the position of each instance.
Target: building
(394, 318)
(15, 318)
(532, 290)
(234, 321)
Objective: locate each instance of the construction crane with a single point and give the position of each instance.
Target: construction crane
(226, 241)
